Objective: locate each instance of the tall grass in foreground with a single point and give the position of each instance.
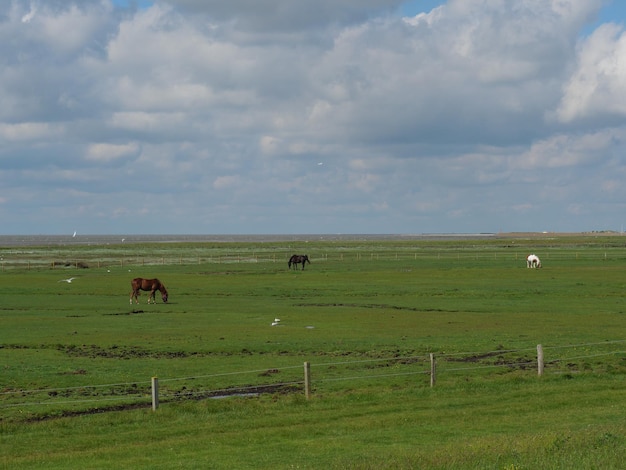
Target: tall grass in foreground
(575, 423)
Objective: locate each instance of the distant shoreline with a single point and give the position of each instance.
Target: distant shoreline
(95, 239)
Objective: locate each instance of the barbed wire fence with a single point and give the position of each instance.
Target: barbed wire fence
(313, 377)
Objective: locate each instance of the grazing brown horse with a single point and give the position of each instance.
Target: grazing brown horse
(152, 285)
(297, 259)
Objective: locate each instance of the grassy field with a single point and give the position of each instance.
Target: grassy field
(77, 359)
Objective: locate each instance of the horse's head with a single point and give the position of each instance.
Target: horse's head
(163, 294)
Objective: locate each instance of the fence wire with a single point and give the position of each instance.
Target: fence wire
(134, 393)
(38, 258)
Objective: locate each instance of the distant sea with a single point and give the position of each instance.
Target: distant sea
(53, 240)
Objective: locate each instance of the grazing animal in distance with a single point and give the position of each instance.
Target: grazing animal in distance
(298, 259)
(152, 285)
(533, 261)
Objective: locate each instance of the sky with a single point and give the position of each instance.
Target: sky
(312, 117)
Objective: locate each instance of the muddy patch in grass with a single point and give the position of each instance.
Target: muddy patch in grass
(131, 312)
(121, 352)
(177, 396)
(373, 306)
(353, 305)
(497, 358)
(75, 372)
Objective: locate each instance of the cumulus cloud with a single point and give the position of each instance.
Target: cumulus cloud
(567, 150)
(105, 152)
(454, 119)
(597, 89)
(29, 131)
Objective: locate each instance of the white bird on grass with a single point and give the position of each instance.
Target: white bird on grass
(69, 281)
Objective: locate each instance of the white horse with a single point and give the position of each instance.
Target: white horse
(533, 261)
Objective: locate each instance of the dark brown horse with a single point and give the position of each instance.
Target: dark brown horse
(152, 285)
(297, 259)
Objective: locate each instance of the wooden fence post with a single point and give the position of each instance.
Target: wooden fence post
(155, 393)
(539, 360)
(307, 380)
(433, 370)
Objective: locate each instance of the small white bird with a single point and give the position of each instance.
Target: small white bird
(276, 320)
(274, 323)
(69, 281)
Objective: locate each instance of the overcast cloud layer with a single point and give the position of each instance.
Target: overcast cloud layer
(316, 116)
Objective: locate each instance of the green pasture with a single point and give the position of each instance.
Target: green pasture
(76, 359)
